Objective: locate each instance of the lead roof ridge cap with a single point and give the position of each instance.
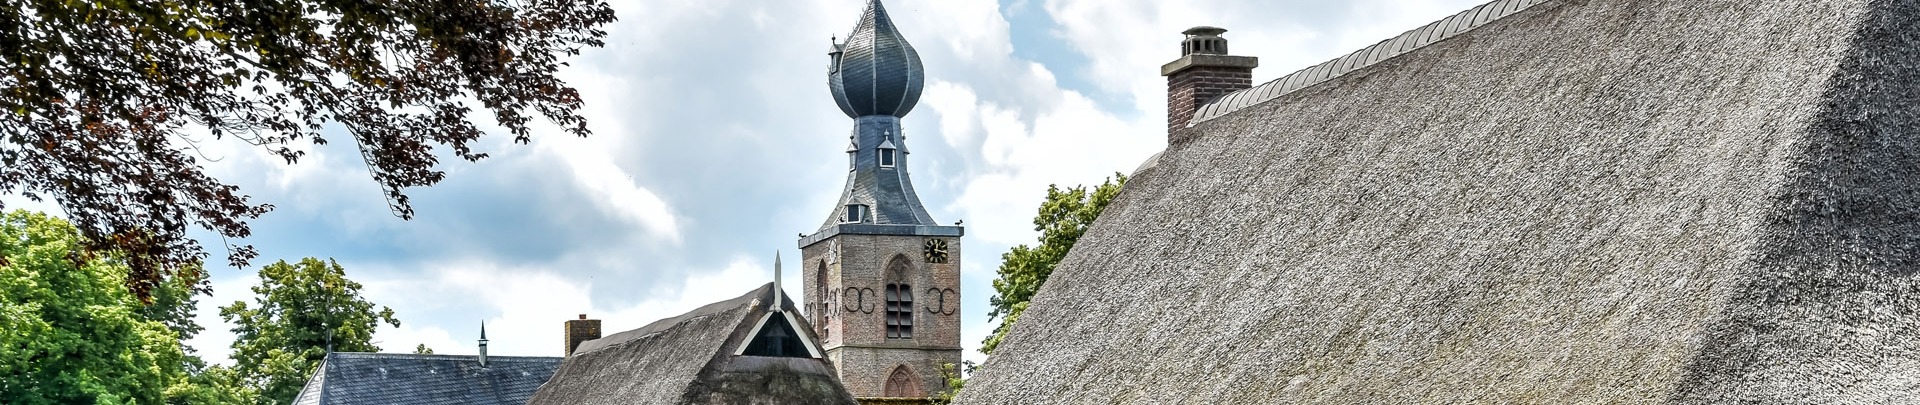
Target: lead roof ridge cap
(1411, 40)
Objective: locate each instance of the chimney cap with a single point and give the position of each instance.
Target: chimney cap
(583, 317)
(1205, 31)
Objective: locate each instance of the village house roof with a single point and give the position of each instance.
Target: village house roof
(714, 354)
(424, 379)
(1599, 201)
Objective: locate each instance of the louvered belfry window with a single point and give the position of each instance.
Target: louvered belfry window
(899, 311)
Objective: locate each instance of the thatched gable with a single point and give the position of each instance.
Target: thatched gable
(1602, 201)
(706, 356)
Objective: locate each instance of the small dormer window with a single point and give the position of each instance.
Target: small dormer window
(856, 213)
(886, 158)
(852, 149)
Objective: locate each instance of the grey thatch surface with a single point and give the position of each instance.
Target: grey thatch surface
(689, 359)
(1604, 201)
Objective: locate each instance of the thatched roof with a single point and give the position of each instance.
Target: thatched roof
(1600, 201)
(695, 358)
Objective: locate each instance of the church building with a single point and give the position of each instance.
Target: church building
(882, 278)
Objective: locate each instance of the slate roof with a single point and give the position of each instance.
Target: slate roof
(689, 359)
(878, 80)
(1599, 201)
(878, 71)
(425, 379)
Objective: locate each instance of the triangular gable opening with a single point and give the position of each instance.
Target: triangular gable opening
(775, 337)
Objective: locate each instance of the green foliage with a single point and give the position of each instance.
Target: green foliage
(70, 332)
(299, 312)
(1063, 217)
(956, 378)
(422, 349)
(211, 385)
(103, 102)
(173, 303)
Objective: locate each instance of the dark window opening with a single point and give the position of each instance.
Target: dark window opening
(899, 311)
(777, 339)
(886, 158)
(856, 213)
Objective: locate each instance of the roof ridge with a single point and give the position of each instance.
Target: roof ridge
(1405, 42)
(351, 355)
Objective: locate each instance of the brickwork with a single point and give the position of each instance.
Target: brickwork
(581, 330)
(1188, 89)
(1203, 73)
(849, 308)
(870, 380)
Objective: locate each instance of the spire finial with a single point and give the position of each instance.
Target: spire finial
(775, 306)
(483, 344)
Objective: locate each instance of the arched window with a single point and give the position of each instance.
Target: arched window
(899, 311)
(899, 296)
(902, 385)
(824, 307)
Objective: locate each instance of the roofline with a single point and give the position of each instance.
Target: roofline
(879, 229)
(490, 358)
(1388, 49)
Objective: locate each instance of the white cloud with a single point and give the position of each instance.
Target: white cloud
(215, 343)
(612, 188)
(524, 307)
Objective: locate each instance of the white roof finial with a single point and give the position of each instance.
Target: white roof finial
(775, 306)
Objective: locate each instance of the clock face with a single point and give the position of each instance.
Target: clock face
(936, 251)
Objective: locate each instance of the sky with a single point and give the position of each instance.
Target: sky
(715, 142)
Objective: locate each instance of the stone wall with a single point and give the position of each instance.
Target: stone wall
(853, 314)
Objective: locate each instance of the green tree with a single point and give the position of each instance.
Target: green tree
(1063, 217)
(300, 312)
(213, 384)
(956, 377)
(422, 349)
(70, 332)
(173, 304)
(104, 102)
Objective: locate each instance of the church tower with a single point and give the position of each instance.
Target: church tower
(882, 279)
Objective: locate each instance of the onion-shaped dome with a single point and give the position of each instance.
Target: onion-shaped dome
(875, 72)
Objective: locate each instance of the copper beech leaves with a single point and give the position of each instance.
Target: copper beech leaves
(102, 103)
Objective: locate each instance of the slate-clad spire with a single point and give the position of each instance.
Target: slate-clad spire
(875, 72)
(483, 344)
(876, 78)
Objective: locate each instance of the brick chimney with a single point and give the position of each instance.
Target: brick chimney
(581, 330)
(1203, 72)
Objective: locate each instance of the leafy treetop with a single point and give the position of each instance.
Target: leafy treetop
(1063, 217)
(70, 333)
(301, 311)
(98, 98)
